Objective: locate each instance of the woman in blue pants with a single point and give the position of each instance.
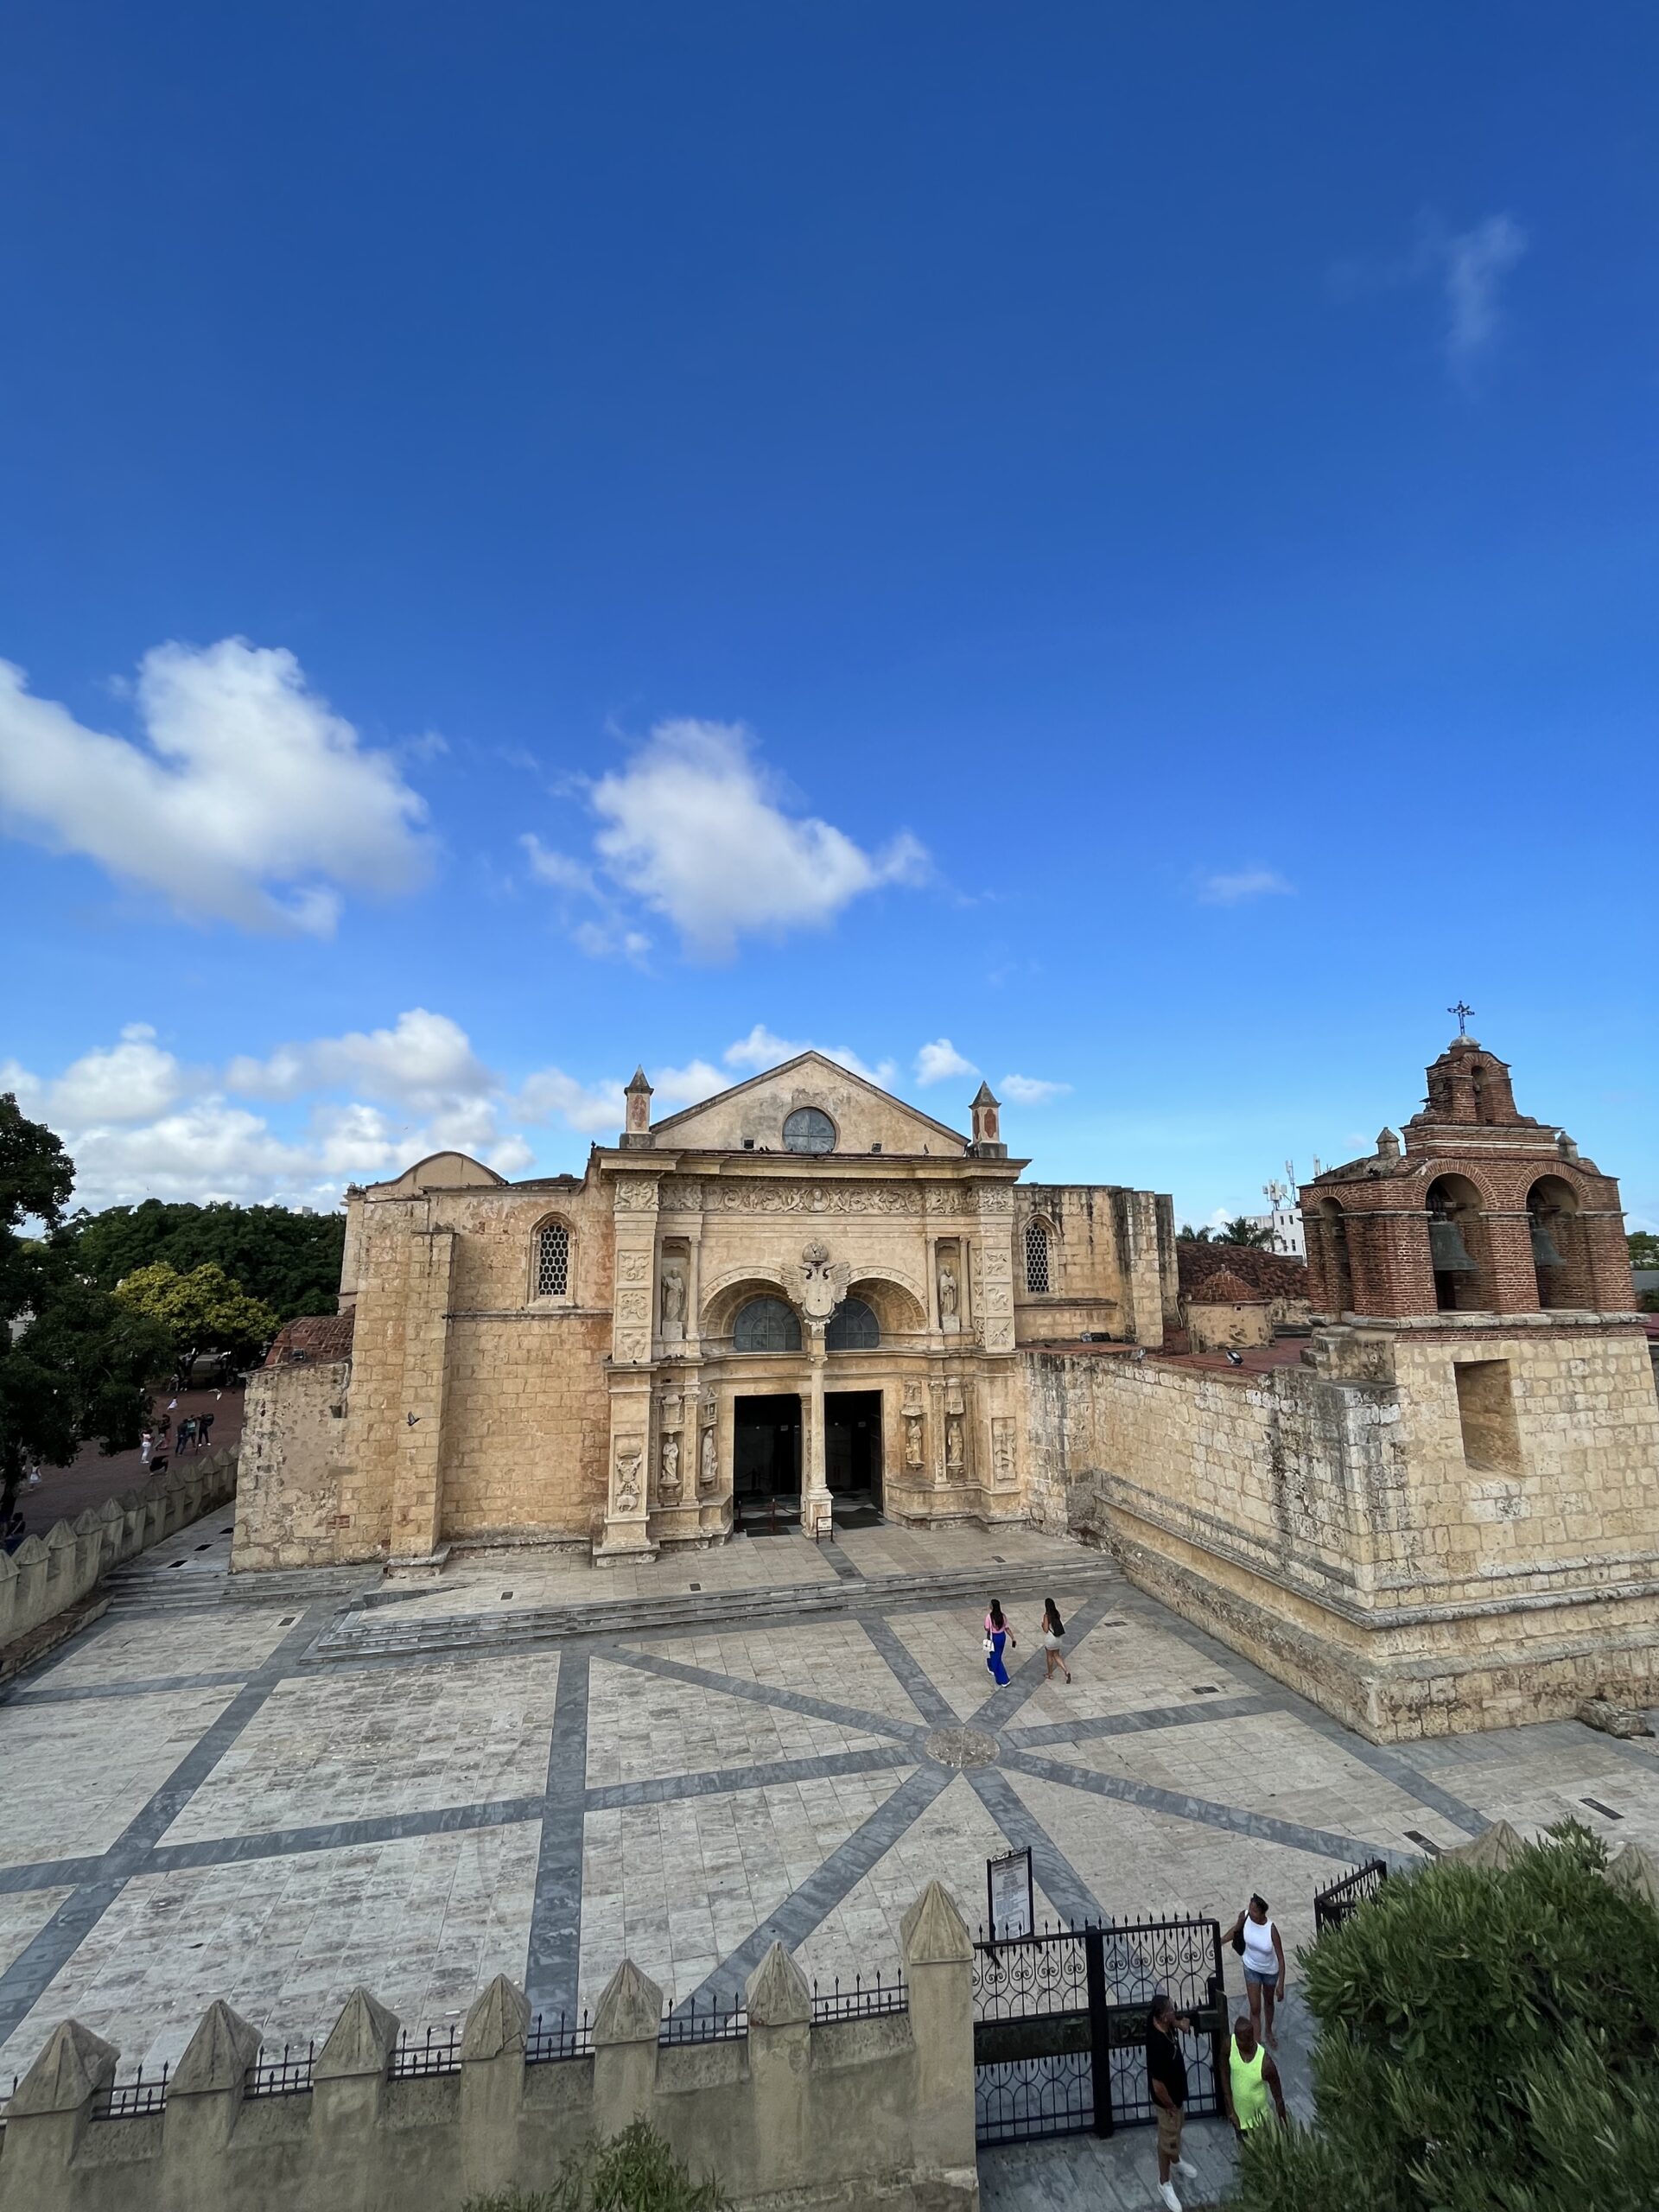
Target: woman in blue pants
(997, 1634)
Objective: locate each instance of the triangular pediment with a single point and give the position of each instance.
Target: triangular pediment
(865, 1118)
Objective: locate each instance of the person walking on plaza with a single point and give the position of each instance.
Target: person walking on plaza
(1053, 1642)
(997, 1634)
(1254, 1933)
(1167, 2078)
(1251, 2078)
(146, 1445)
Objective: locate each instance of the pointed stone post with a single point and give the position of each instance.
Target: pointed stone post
(492, 2087)
(348, 2085)
(204, 2096)
(780, 2069)
(625, 2028)
(49, 2114)
(938, 1959)
(636, 1134)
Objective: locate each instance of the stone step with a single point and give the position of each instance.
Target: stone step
(361, 1634)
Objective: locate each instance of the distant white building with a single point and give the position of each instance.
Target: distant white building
(1284, 1222)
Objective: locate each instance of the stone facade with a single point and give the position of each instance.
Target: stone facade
(1446, 1516)
(569, 1360)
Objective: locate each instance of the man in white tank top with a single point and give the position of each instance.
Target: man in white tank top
(1254, 1933)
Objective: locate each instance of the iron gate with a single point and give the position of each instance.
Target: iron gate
(1060, 2025)
(1342, 1899)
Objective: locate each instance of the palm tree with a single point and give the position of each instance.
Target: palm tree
(1239, 1230)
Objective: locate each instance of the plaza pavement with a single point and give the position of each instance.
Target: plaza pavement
(274, 1789)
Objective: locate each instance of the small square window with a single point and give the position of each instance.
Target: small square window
(1491, 1437)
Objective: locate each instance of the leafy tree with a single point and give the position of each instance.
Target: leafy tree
(202, 1311)
(635, 2171)
(1242, 1230)
(289, 1260)
(74, 1363)
(1644, 1248)
(1489, 2041)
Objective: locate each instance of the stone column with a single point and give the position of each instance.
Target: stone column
(816, 1519)
(780, 2071)
(48, 2115)
(492, 2087)
(632, 1323)
(204, 2098)
(626, 2028)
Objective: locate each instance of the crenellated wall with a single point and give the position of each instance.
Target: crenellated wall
(48, 1575)
(796, 2112)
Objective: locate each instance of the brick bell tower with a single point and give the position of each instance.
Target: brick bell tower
(1475, 1315)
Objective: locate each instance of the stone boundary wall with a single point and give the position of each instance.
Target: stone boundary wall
(798, 2112)
(47, 1575)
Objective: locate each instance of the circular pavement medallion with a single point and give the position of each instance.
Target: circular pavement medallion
(961, 1747)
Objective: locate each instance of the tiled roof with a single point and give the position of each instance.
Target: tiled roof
(1270, 1274)
(1224, 1289)
(313, 1336)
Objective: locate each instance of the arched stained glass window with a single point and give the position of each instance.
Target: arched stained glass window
(767, 1324)
(1036, 1255)
(853, 1327)
(808, 1129)
(553, 1261)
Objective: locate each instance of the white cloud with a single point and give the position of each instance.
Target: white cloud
(1473, 265)
(424, 1059)
(763, 1048)
(252, 803)
(1229, 890)
(1031, 1090)
(687, 1086)
(128, 1082)
(938, 1062)
(550, 1094)
(695, 829)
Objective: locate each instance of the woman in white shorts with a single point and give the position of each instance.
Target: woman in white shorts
(1053, 1642)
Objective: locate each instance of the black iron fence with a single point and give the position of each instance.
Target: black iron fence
(1060, 2025)
(1341, 1900)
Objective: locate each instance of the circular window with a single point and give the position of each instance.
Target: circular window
(807, 1129)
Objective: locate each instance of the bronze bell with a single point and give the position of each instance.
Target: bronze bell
(1448, 1253)
(1544, 1254)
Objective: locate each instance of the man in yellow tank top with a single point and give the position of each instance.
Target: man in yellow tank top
(1250, 2079)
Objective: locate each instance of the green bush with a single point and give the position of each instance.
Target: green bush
(635, 2171)
(1489, 2041)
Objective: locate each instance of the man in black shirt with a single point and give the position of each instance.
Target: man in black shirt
(1166, 2076)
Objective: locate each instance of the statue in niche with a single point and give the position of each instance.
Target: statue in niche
(953, 1462)
(670, 1466)
(706, 1471)
(673, 1302)
(913, 1447)
(630, 1459)
(947, 1291)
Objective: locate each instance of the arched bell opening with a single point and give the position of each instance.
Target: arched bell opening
(1560, 1255)
(1460, 1247)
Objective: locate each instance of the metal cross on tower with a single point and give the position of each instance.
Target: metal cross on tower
(1463, 1014)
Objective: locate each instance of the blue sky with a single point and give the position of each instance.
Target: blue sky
(1112, 545)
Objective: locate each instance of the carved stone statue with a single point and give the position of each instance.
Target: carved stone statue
(948, 1294)
(913, 1447)
(630, 1458)
(706, 1473)
(673, 1302)
(670, 1467)
(823, 1281)
(953, 1461)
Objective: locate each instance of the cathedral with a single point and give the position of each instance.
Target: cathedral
(805, 1304)
(801, 1297)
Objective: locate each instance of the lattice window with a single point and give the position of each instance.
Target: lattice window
(807, 1129)
(853, 1327)
(1036, 1255)
(553, 1261)
(767, 1324)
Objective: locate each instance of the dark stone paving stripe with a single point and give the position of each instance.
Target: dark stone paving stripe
(1320, 1842)
(554, 1960)
(342, 1835)
(720, 1782)
(1390, 1764)
(805, 1908)
(1052, 1871)
(1135, 1723)
(48, 1874)
(147, 1685)
(936, 1710)
(847, 1569)
(33, 1971)
(815, 1708)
